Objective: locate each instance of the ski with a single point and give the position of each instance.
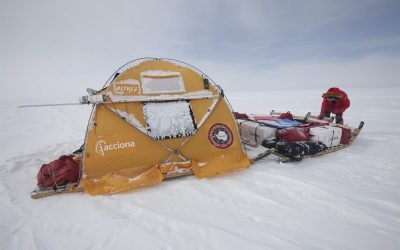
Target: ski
(312, 118)
(307, 118)
(45, 192)
(296, 117)
(261, 155)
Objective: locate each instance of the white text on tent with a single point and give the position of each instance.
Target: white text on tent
(102, 147)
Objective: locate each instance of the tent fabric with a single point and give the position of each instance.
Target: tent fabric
(127, 147)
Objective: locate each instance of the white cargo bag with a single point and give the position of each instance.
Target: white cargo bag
(253, 133)
(328, 135)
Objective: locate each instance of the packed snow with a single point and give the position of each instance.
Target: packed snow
(345, 200)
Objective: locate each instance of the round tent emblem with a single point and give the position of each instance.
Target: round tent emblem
(220, 135)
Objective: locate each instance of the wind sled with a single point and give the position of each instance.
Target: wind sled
(292, 137)
(156, 119)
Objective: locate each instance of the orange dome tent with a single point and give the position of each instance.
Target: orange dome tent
(156, 119)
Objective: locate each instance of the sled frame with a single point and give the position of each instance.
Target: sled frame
(307, 118)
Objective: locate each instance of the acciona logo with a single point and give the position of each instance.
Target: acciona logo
(102, 146)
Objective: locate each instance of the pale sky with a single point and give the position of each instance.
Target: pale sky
(59, 48)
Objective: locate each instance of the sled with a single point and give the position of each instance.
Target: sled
(354, 135)
(307, 118)
(45, 192)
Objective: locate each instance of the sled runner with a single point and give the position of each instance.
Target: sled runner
(45, 192)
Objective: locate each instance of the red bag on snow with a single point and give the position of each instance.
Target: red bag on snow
(346, 136)
(238, 115)
(293, 134)
(59, 172)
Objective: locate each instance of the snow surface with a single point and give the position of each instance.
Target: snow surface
(345, 200)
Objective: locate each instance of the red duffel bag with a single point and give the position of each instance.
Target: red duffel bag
(59, 172)
(238, 115)
(293, 134)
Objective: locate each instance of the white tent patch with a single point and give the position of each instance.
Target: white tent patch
(160, 82)
(169, 119)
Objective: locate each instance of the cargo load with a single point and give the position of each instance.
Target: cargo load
(328, 135)
(254, 133)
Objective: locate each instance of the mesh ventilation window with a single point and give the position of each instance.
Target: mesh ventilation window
(160, 82)
(169, 119)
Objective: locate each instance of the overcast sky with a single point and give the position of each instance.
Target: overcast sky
(58, 48)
